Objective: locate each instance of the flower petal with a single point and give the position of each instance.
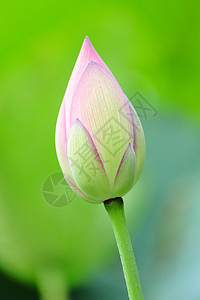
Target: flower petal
(139, 145)
(61, 149)
(86, 165)
(78, 191)
(87, 53)
(125, 176)
(61, 143)
(96, 103)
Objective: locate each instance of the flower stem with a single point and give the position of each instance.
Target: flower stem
(115, 209)
(52, 286)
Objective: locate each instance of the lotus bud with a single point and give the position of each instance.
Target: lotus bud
(100, 142)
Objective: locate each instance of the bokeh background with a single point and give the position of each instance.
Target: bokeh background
(152, 47)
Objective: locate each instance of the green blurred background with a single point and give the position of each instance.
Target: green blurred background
(151, 47)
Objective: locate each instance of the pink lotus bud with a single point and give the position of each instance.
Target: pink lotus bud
(99, 138)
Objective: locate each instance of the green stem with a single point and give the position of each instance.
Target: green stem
(52, 286)
(115, 209)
